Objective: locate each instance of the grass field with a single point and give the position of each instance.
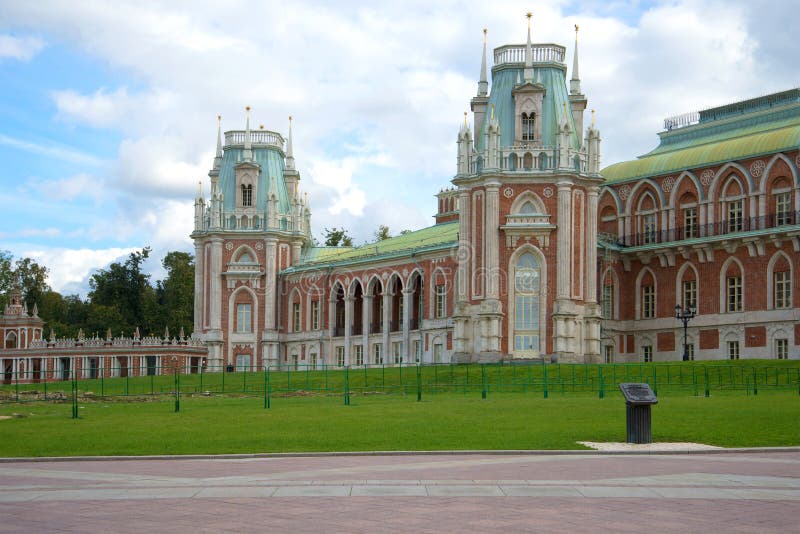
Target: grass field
(443, 421)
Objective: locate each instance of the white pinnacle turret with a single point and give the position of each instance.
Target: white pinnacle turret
(248, 152)
(529, 54)
(289, 151)
(218, 155)
(483, 84)
(575, 82)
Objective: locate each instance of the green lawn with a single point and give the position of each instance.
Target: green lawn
(443, 421)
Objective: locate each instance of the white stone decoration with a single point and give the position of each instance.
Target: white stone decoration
(706, 177)
(508, 192)
(757, 167)
(624, 191)
(259, 245)
(548, 192)
(797, 160)
(228, 246)
(667, 184)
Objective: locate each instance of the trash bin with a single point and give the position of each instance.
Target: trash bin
(229, 368)
(638, 399)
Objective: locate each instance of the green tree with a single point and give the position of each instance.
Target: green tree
(33, 278)
(126, 295)
(337, 237)
(176, 292)
(382, 233)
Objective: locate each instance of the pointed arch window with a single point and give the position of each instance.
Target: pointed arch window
(247, 195)
(526, 306)
(528, 126)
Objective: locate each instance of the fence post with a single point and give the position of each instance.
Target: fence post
(74, 397)
(177, 390)
(16, 382)
(267, 387)
(419, 382)
(544, 371)
(346, 386)
(483, 380)
(602, 393)
(755, 381)
(655, 380)
(708, 392)
(798, 383)
(224, 372)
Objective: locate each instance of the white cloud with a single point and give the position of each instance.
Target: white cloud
(81, 185)
(70, 269)
(52, 150)
(20, 48)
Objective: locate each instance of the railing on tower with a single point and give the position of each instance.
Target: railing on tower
(542, 53)
(257, 137)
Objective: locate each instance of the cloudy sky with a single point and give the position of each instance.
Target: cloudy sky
(108, 109)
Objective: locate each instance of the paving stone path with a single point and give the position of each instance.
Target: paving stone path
(710, 492)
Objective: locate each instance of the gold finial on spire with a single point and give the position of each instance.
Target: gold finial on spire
(492, 111)
(219, 119)
(565, 108)
(484, 35)
(592, 118)
(260, 126)
(576, 29)
(465, 118)
(199, 188)
(529, 15)
(247, 108)
(290, 118)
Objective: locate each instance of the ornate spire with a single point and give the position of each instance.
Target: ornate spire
(218, 156)
(248, 152)
(483, 84)
(529, 53)
(575, 82)
(289, 151)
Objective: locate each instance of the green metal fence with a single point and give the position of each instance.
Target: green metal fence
(698, 379)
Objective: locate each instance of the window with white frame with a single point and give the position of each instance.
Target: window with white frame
(358, 354)
(690, 351)
(441, 302)
(782, 284)
(314, 315)
(397, 353)
(647, 353)
(608, 351)
(377, 353)
(690, 222)
(733, 350)
(782, 349)
(437, 352)
(649, 228)
(528, 125)
(340, 356)
(244, 321)
(417, 350)
(242, 362)
(648, 302)
(608, 301)
(736, 215)
(296, 317)
(734, 294)
(312, 360)
(783, 214)
(247, 195)
(689, 294)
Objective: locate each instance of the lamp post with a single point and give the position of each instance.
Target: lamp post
(685, 315)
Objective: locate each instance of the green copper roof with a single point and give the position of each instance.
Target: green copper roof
(440, 235)
(271, 162)
(555, 98)
(715, 141)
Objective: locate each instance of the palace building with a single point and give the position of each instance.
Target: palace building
(536, 252)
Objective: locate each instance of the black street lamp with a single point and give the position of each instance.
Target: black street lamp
(685, 315)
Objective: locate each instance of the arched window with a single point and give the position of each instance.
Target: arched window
(732, 203)
(528, 122)
(247, 195)
(526, 305)
(527, 208)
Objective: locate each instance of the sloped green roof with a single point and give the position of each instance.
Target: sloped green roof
(712, 144)
(440, 235)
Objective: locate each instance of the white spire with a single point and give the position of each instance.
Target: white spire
(248, 152)
(289, 152)
(483, 84)
(529, 53)
(575, 82)
(218, 156)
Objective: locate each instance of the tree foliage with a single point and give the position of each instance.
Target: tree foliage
(382, 233)
(176, 292)
(337, 237)
(33, 278)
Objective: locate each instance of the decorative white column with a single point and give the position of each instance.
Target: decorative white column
(348, 314)
(199, 268)
(591, 245)
(216, 284)
(366, 312)
(407, 293)
(564, 267)
(270, 282)
(386, 319)
(464, 250)
(492, 260)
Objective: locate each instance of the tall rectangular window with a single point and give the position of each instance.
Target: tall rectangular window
(608, 302)
(648, 302)
(397, 352)
(418, 350)
(377, 352)
(649, 227)
(608, 351)
(689, 294)
(733, 350)
(358, 354)
(296, 317)
(244, 318)
(782, 349)
(314, 315)
(734, 294)
(247, 195)
(527, 126)
(647, 353)
(312, 360)
(783, 289)
(690, 222)
(690, 351)
(736, 215)
(441, 302)
(340, 356)
(783, 214)
(437, 352)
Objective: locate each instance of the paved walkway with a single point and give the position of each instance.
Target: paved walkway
(710, 492)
